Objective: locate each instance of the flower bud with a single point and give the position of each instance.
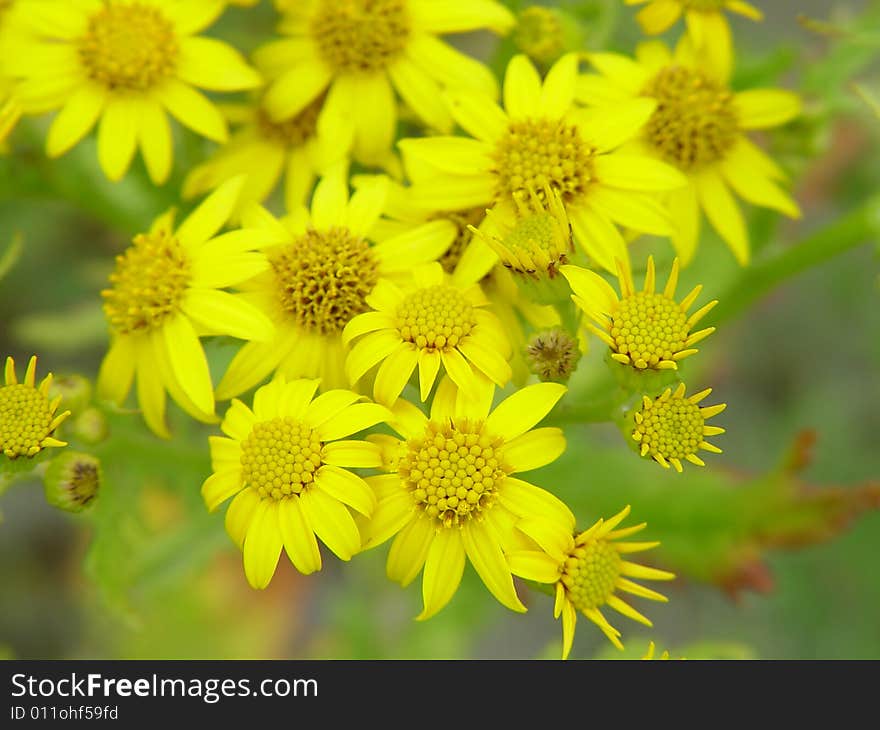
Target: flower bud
(72, 481)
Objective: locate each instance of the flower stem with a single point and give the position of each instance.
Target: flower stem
(845, 233)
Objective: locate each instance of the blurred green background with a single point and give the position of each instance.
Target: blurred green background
(774, 561)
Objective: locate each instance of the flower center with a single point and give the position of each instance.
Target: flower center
(453, 472)
(649, 328)
(129, 46)
(694, 124)
(462, 219)
(25, 420)
(292, 132)
(536, 242)
(534, 153)
(435, 318)
(361, 35)
(148, 285)
(279, 458)
(539, 34)
(671, 426)
(324, 277)
(589, 575)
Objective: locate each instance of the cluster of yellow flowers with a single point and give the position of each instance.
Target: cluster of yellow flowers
(460, 260)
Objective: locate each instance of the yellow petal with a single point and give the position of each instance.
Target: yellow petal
(332, 522)
(444, 567)
(484, 552)
(534, 449)
(521, 411)
(298, 536)
(262, 545)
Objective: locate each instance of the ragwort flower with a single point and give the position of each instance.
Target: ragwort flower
(701, 127)
(671, 427)
(286, 463)
(323, 265)
(438, 320)
(166, 292)
(644, 329)
(706, 23)
(588, 571)
(125, 64)
(451, 495)
(541, 140)
(28, 418)
(361, 51)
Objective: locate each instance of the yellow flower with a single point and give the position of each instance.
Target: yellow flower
(361, 51)
(700, 126)
(28, 418)
(706, 23)
(538, 240)
(322, 266)
(122, 64)
(438, 320)
(670, 427)
(287, 464)
(451, 495)
(165, 293)
(588, 572)
(644, 329)
(266, 151)
(539, 140)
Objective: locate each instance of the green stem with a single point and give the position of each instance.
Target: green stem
(845, 233)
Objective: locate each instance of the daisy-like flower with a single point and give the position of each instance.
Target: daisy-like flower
(701, 127)
(286, 463)
(538, 241)
(589, 571)
(125, 64)
(266, 151)
(706, 22)
(28, 418)
(322, 266)
(671, 427)
(541, 140)
(438, 320)
(361, 51)
(451, 495)
(644, 329)
(166, 292)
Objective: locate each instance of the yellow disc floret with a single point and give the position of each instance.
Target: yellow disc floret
(324, 277)
(590, 574)
(536, 153)
(129, 46)
(648, 329)
(695, 123)
(27, 417)
(539, 240)
(291, 132)
(279, 458)
(437, 317)
(671, 427)
(361, 35)
(148, 285)
(453, 472)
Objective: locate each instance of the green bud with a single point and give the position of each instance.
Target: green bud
(553, 355)
(72, 481)
(544, 34)
(75, 391)
(89, 426)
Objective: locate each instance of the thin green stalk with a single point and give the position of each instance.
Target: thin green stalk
(847, 232)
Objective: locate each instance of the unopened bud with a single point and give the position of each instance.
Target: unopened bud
(75, 391)
(89, 426)
(540, 34)
(553, 355)
(72, 481)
